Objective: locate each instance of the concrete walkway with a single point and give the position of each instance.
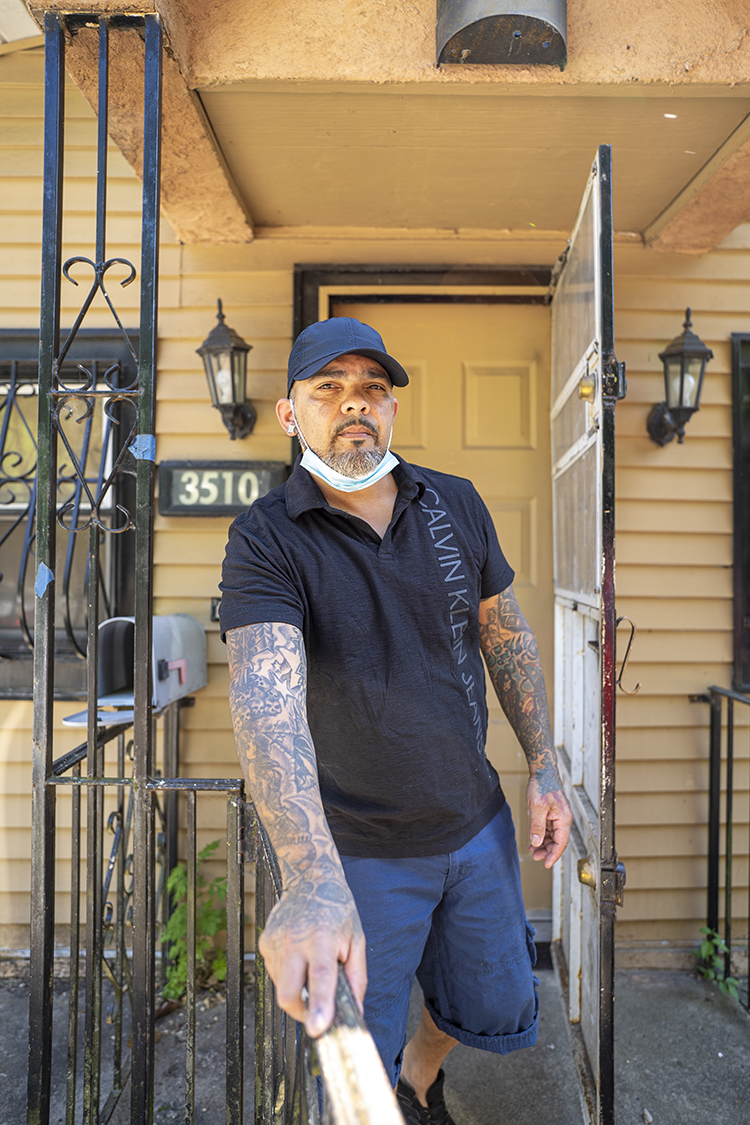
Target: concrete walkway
(683, 1057)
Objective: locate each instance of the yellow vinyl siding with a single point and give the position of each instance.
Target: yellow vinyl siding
(674, 505)
(674, 579)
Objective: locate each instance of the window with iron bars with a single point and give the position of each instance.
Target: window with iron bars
(96, 441)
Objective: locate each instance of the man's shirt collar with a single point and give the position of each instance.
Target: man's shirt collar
(302, 493)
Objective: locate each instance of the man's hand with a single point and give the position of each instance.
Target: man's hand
(310, 930)
(512, 659)
(550, 813)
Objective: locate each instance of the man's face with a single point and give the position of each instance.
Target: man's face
(345, 413)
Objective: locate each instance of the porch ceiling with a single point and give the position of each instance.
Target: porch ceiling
(486, 158)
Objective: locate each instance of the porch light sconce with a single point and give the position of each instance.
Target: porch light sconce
(515, 32)
(224, 355)
(684, 362)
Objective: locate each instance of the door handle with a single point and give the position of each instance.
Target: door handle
(587, 387)
(618, 681)
(587, 873)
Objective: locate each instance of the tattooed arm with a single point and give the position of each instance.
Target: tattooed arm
(315, 924)
(512, 659)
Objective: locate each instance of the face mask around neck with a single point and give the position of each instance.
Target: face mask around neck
(337, 480)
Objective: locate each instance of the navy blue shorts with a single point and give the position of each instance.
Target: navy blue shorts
(458, 923)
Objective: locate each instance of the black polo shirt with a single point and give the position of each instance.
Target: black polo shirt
(396, 687)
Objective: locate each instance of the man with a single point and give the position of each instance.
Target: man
(358, 600)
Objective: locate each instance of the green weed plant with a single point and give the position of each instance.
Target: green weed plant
(211, 917)
(711, 963)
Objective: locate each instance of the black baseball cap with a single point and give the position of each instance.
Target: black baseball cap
(341, 335)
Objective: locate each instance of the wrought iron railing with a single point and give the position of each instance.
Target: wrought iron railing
(718, 697)
(125, 878)
(337, 1079)
(353, 1087)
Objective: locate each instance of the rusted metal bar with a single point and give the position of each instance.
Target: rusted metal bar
(728, 839)
(94, 847)
(191, 861)
(120, 951)
(235, 961)
(67, 761)
(75, 941)
(714, 813)
(43, 796)
(143, 448)
(198, 784)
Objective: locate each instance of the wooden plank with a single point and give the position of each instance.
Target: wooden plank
(635, 263)
(710, 453)
(701, 516)
(204, 447)
(660, 646)
(29, 133)
(188, 418)
(638, 747)
(27, 100)
(271, 287)
(645, 809)
(649, 775)
(191, 386)
(642, 357)
(661, 711)
(709, 614)
(671, 483)
(688, 679)
(187, 581)
(714, 328)
(24, 193)
(673, 581)
(711, 421)
(663, 840)
(666, 903)
(673, 295)
(79, 163)
(675, 549)
(188, 548)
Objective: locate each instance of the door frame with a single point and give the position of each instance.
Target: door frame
(425, 281)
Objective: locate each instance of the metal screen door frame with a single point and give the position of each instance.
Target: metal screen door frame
(587, 381)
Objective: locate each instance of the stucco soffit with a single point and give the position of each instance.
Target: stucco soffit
(712, 205)
(198, 194)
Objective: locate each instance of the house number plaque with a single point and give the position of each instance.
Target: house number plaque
(215, 488)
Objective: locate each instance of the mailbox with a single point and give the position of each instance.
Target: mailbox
(179, 665)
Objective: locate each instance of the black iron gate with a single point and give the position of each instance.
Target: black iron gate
(125, 880)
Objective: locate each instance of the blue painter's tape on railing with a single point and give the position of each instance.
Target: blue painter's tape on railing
(144, 447)
(43, 578)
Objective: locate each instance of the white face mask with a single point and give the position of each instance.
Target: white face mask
(337, 480)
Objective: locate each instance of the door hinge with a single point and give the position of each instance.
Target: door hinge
(613, 884)
(614, 383)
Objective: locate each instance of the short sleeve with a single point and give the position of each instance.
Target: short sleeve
(497, 573)
(257, 584)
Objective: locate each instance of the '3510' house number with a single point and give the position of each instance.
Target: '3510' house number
(215, 488)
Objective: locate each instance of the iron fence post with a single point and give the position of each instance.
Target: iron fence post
(235, 959)
(43, 796)
(145, 454)
(714, 814)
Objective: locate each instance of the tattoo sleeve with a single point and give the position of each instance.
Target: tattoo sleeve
(267, 697)
(512, 658)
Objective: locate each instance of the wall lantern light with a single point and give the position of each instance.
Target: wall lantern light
(684, 362)
(224, 355)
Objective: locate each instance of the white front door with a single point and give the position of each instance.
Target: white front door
(586, 382)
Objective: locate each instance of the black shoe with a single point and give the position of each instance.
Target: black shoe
(434, 1113)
